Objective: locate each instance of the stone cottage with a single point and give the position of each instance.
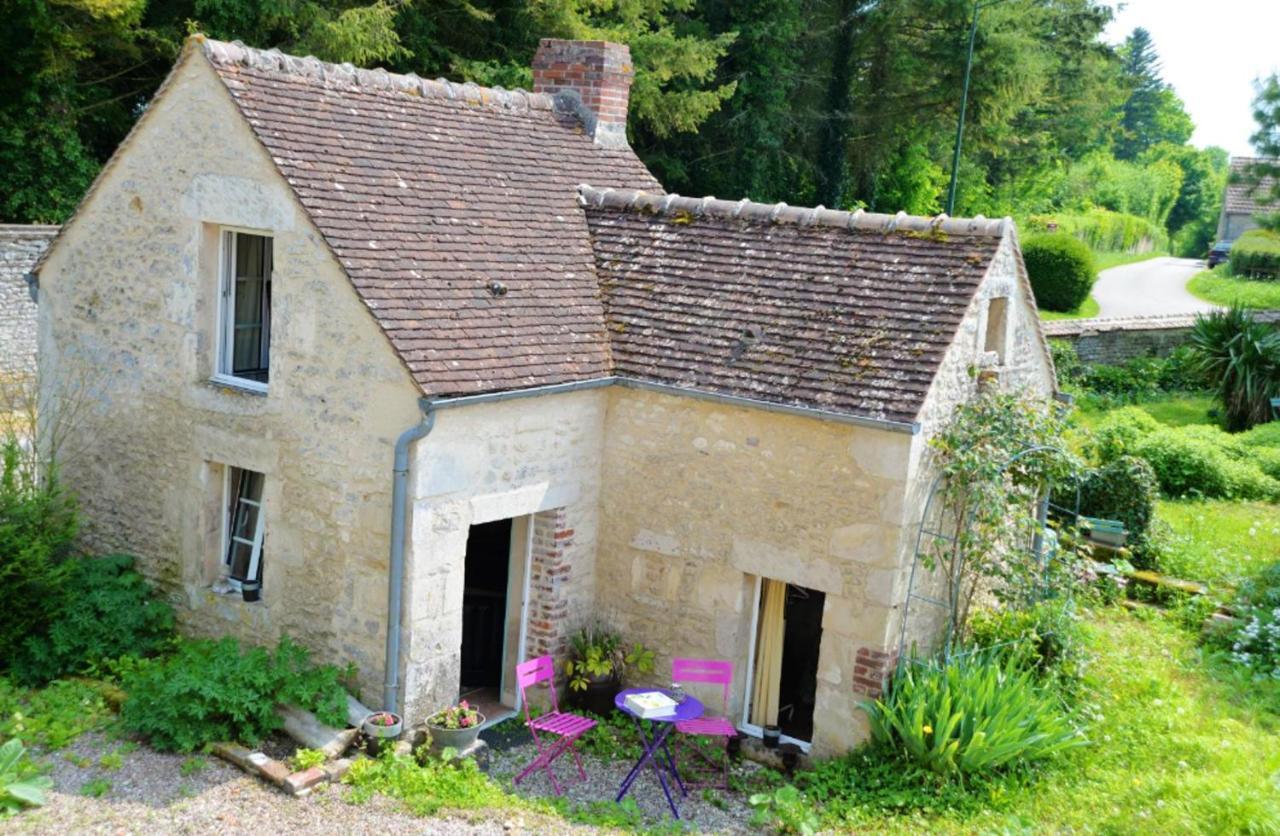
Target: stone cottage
(377, 350)
(1241, 205)
(20, 248)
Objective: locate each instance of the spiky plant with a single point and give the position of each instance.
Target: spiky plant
(1240, 358)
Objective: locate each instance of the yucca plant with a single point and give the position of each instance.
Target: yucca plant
(971, 715)
(1239, 357)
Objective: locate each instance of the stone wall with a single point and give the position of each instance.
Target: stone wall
(128, 303)
(20, 248)
(1113, 341)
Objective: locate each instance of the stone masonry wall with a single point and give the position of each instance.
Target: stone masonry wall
(20, 248)
(700, 499)
(1113, 341)
(128, 301)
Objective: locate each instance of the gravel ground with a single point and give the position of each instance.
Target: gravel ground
(703, 810)
(148, 793)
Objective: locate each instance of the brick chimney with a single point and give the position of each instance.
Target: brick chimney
(597, 75)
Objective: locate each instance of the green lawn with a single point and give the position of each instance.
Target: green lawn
(1173, 749)
(1087, 310)
(1105, 261)
(1217, 287)
(1179, 410)
(1219, 541)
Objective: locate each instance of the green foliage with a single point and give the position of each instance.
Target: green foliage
(1152, 113)
(95, 787)
(197, 764)
(1195, 461)
(1124, 489)
(1241, 356)
(1253, 642)
(53, 716)
(1262, 174)
(1256, 255)
(1221, 288)
(1103, 230)
(21, 785)
(1045, 638)
(302, 759)
(1148, 189)
(37, 530)
(784, 810)
(210, 691)
(974, 714)
(598, 653)
(103, 610)
(1121, 432)
(425, 789)
(1061, 270)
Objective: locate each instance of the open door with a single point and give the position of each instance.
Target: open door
(783, 667)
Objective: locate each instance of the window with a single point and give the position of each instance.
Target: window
(244, 351)
(243, 534)
(997, 327)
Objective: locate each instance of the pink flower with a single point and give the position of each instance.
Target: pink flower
(463, 704)
(466, 721)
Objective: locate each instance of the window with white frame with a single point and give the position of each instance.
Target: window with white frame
(242, 556)
(244, 342)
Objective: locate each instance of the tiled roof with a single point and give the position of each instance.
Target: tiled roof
(848, 312)
(1241, 197)
(452, 208)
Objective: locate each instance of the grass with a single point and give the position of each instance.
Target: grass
(1105, 261)
(1087, 310)
(1219, 541)
(1173, 749)
(1221, 289)
(1174, 410)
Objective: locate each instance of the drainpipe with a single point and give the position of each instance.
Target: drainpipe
(395, 583)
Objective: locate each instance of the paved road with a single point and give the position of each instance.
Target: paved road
(1156, 286)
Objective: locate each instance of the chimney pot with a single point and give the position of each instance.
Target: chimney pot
(595, 76)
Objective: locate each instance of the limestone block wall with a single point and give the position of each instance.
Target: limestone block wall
(20, 247)
(128, 303)
(1113, 341)
(699, 499)
(535, 457)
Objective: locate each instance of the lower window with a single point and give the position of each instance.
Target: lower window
(243, 558)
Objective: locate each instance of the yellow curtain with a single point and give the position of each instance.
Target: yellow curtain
(764, 697)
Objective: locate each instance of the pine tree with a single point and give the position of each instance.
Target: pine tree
(1153, 113)
(1263, 174)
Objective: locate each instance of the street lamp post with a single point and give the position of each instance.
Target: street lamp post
(964, 101)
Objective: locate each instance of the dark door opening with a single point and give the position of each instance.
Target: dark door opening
(800, 640)
(484, 604)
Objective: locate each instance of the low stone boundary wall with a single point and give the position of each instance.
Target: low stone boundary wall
(20, 247)
(1112, 341)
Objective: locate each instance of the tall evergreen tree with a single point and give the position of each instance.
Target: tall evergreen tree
(1152, 113)
(1263, 174)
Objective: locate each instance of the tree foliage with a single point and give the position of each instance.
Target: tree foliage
(1262, 174)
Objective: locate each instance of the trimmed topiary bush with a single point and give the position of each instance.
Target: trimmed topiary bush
(1256, 255)
(1061, 269)
(103, 611)
(1121, 431)
(1194, 463)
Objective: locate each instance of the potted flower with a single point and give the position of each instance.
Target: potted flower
(382, 725)
(455, 727)
(596, 664)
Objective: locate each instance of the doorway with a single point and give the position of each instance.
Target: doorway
(782, 683)
(484, 614)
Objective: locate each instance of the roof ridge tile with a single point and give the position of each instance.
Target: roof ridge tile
(633, 200)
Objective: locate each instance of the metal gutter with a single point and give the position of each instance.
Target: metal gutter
(911, 428)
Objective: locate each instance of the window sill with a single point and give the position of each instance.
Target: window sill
(228, 589)
(239, 384)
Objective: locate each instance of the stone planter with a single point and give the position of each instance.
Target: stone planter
(457, 739)
(379, 731)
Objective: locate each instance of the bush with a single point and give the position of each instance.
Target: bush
(1061, 270)
(1256, 254)
(1124, 489)
(972, 715)
(1189, 463)
(210, 691)
(1066, 361)
(1046, 638)
(1263, 435)
(1242, 356)
(104, 610)
(37, 531)
(1104, 230)
(1254, 643)
(1121, 432)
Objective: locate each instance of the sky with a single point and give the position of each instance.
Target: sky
(1210, 52)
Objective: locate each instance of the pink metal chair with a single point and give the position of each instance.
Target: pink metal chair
(561, 730)
(708, 727)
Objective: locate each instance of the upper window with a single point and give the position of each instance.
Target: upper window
(243, 533)
(244, 348)
(997, 327)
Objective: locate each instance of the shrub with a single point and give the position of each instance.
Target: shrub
(211, 691)
(1046, 638)
(1121, 431)
(1124, 489)
(1242, 356)
(37, 530)
(1256, 254)
(1104, 230)
(1254, 642)
(971, 715)
(1066, 361)
(1061, 270)
(1190, 463)
(104, 610)
(54, 716)
(1262, 435)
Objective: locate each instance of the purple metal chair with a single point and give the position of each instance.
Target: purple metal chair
(561, 730)
(708, 727)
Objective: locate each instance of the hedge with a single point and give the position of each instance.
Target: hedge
(1103, 230)
(1061, 269)
(1256, 254)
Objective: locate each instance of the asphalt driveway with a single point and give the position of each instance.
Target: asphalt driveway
(1155, 286)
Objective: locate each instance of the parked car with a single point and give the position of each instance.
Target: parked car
(1220, 253)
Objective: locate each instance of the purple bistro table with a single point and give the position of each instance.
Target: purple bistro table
(654, 740)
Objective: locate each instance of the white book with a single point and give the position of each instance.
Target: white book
(647, 704)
